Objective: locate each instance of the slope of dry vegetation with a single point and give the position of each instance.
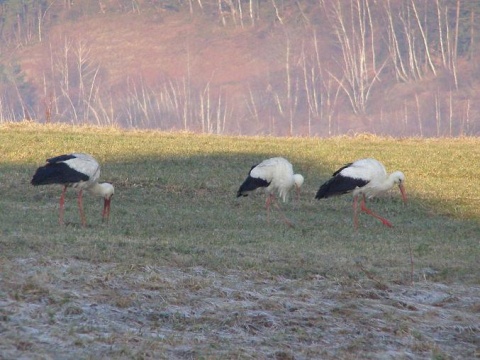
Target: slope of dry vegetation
(398, 67)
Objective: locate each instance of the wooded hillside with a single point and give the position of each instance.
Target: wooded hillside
(306, 67)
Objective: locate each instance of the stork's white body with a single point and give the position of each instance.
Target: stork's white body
(276, 176)
(366, 177)
(374, 173)
(279, 173)
(85, 164)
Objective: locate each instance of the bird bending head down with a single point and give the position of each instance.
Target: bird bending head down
(105, 190)
(298, 181)
(79, 171)
(365, 177)
(398, 178)
(274, 175)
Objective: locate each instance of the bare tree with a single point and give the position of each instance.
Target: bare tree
(424, 38)
(396, 57)
(357, 61)
(440, 34)
(408, 43)
(277, 12)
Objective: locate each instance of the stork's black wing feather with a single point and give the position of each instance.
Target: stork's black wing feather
(339, 185)
(342, 168)
(61, 158)
(57, 173)
(251, 184)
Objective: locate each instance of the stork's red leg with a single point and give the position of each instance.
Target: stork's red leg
(80, 207)
(106, 210)
(297, 193)
(285, 219)
(62, 205)
(269, 200)
(370, 212)
(355, 211)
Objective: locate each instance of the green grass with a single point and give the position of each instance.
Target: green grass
(175, 205)
(185, 269)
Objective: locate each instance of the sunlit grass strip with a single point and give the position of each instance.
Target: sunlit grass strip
(442, 171)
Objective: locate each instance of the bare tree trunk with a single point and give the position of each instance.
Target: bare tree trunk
(415, 71)
(450, 114)
(277, 12)
(251, 12)
(240, 12)
(252, 106)
(440, 34)
(289, 84)
(448, 41)
(455, 52)
(467, 117)
(357, 79)
(372, 45)
(472, 35)
(420, 125)
(393, 47)
(438, 116)
(220, 11)
(424, 38)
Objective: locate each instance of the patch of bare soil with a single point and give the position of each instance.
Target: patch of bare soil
(72, 309)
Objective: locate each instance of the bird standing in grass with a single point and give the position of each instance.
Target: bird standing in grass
(77, 170)
(366, 178)
(275, 175)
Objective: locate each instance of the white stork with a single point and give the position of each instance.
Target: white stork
(275, 175)
(365, 177)
(77, 170)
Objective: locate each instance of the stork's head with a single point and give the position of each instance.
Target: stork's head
(107, 191)
(298, 181)
(399, 179)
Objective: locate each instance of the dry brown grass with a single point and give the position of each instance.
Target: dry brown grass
(76, 309)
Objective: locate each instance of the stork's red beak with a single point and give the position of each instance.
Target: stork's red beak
(404, 194)
(106, 209)
(297, 191)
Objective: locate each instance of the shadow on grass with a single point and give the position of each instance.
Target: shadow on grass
(183, 211)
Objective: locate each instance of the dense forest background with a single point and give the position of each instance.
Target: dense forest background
(274, 67)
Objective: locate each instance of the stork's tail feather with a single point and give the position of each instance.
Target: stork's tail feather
(61, 158)
(324, 190)
(240, 193)
(251, 184)
(43, 176)
(334, 186)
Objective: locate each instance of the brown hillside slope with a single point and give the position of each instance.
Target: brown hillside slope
(285, 75)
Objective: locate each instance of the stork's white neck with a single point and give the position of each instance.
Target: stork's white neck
(394, 178)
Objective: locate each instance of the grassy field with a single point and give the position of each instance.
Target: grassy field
(186, 270)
